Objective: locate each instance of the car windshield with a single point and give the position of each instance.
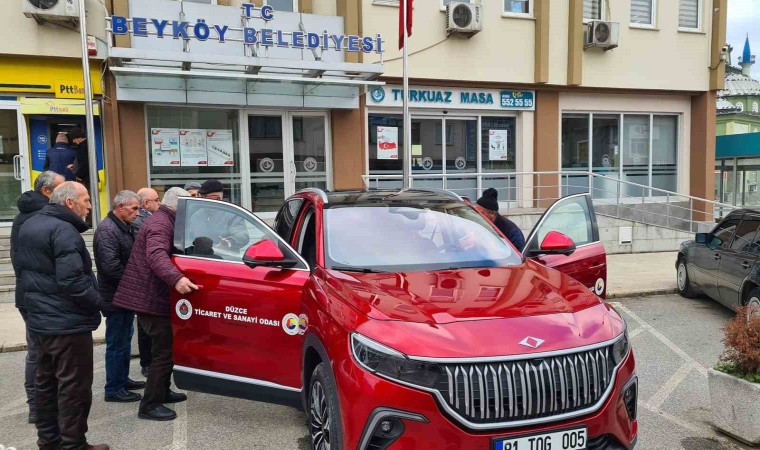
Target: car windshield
(410, 238)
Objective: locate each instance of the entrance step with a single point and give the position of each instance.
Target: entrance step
(7, 277)
(8, 293)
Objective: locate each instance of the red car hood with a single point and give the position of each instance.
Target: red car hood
(477, 312)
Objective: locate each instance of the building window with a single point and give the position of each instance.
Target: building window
(593, 9)
(754, 107)
(689, 14)
(518, 7)
(643, 12)
(637, 148)
(446, 153)
(193, 144)
(283, 5)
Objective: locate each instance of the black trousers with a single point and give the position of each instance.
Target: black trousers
(64, 390)
(144, 344)
(159, 328)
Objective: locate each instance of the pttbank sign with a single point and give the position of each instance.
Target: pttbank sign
(431, 97)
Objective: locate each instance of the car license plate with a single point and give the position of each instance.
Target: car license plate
(573, 439)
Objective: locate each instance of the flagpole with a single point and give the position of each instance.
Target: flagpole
(407, 158)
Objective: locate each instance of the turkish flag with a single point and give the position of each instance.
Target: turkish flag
(401, 21)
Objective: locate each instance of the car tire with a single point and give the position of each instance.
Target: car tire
(753, 300)
(682, 280)
(325, 427)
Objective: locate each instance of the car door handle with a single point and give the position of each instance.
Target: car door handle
(717, 256)
(746, 264)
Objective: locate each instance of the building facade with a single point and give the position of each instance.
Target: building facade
(522, 95)
(737, 156)
(41, 91)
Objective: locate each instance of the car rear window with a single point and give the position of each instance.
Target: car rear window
(409, 237)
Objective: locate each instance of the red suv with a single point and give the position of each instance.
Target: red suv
(405, 320)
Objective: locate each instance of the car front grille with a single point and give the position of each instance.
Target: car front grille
(524, 391)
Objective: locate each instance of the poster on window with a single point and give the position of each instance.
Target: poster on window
(497, 145)
(164, 147)
(387, 142)
(192, 147)
(220, 148)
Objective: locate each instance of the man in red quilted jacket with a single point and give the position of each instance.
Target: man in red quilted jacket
(144, 288)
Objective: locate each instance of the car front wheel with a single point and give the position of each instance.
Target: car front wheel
(682, 280)
(754, 302)
(325, 428)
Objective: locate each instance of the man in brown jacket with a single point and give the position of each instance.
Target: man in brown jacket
(144, 288)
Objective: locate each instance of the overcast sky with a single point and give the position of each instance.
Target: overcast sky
(743, 18)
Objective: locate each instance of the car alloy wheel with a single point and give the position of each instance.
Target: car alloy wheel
(319, 425)
(754, 304)
(681, 276)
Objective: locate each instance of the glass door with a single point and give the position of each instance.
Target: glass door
(310, 162)
(288, 151)
(461, 141)
(268, 163)
(12, 168)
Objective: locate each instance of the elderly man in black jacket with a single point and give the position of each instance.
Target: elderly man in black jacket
(112, 245)
(61, 295)
(29, 204)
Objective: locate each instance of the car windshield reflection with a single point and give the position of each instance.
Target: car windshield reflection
(410, 238)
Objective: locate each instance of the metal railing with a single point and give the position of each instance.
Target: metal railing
(612, 197)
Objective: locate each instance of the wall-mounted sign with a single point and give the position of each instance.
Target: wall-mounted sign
(69, 89)
(220, 148)
(453, 98)
(164, 147)
(202, 30)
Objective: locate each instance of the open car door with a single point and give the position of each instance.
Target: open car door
(586, 261)
(241, 334)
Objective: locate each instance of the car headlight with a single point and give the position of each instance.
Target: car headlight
(385, 361)
(620, 348)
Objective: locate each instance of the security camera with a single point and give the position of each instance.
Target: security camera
(445, 111)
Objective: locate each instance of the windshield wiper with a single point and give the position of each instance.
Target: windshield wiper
(355, 269)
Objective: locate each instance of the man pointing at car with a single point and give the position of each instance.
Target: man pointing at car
(144, 288)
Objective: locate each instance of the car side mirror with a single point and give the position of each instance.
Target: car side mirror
(556, 243)
(701, 238)
(266, 253)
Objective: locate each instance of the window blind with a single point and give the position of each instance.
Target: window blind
(592, 9)
(641, 12)
(688, 13)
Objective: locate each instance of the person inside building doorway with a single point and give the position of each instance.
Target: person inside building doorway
(61, 157)
(81, 168)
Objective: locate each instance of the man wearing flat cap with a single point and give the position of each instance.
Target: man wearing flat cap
(192, 187)
(488, 205)
(233, 235)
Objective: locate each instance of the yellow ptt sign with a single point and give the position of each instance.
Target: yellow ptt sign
(65, 89)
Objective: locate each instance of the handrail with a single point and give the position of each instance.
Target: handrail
(366, 179)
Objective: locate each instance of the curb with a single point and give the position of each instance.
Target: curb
(22, 347)
(642, 293)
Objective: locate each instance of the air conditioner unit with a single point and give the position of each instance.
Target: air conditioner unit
(601, 34)
(52, 10)
(464, 19)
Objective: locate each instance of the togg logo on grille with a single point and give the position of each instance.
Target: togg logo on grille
(532, 342)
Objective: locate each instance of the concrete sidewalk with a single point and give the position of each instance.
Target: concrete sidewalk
(628, 275)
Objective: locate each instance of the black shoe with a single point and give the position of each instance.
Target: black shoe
(123, 396)
(32, 417)
(174, 397)
(133, 385)
(160, 413)
(144, 371)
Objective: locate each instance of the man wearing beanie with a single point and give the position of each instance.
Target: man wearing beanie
(488, 205)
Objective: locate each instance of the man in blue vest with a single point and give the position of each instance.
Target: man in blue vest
(60, 156)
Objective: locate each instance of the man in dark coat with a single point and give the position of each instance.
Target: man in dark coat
(29, 204)
(82, 167)
(145, 288)
(488, 205)
(60, 157)
(61, 295)
(112, 246)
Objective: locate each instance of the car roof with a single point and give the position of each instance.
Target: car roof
(386, 196)
(742, 211)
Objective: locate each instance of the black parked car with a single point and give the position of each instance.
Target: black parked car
(723, 264)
